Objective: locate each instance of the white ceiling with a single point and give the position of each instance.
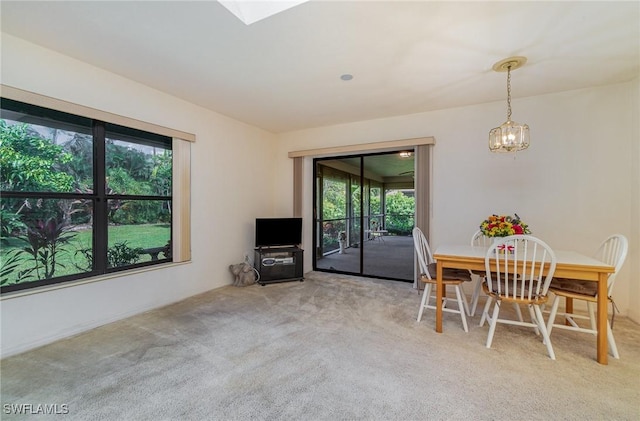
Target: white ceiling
(283, 73)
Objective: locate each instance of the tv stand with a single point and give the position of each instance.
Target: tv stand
(278, 264)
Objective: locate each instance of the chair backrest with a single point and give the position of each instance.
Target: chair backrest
(524, 267)
(479, 239)
(613, 251)
(423, 251)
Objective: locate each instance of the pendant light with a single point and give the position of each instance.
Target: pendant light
(510, 136)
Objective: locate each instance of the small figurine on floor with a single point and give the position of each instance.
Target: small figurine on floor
(342, 240)
(244, 274)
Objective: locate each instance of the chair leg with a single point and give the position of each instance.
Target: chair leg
(465, 303)
(485, 311)
(493, 320)
(552, 314)
(518, 312)
(533, 319)
(543, 330)
(612, 343)
(592, 315)
(461, 307)
(425, 300)
(475, 296)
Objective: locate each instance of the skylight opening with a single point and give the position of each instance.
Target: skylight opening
(251, 11)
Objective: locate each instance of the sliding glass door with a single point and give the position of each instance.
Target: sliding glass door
(364, 214)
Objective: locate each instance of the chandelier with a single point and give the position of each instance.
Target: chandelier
(510, 136)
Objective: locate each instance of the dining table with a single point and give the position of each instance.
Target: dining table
(569, 264)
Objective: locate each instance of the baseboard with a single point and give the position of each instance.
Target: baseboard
(76, 330)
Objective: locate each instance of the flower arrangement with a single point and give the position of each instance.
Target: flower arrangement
(503, 226)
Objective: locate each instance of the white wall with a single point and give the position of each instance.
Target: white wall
(231, 186)
(575, 185)
(634, 266)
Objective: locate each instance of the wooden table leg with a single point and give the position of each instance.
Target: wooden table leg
(439, 288)
(603, 349)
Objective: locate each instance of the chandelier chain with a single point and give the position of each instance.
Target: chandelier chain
(509, 92)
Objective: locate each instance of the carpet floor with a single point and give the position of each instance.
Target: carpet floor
(333, 347)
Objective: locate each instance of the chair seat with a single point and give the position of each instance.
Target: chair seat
(424, 278)
(450, 274)
(539, 299)
(574, 286)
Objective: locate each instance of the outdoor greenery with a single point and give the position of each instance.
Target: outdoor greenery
(30, 162)
(120, 254)
(398, 213)
(334, 200)
(51, 236)
(45, 239)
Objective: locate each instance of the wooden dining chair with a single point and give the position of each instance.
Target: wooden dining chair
(479, 239)
(523, 278)
(612, 251)
(450, 277)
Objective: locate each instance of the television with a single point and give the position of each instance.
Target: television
(278, 232)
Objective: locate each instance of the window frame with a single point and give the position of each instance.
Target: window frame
(100, 196)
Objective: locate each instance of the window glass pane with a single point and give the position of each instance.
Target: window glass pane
(334, 209)
(400, 211)
(42, 155)
(374, 199)
(135, 168)
(49, 198)
(139, 231)
(376, 218)
(335, 199)
(355, 225)
(44, 239)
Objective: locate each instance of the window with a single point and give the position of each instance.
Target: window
(79, 197)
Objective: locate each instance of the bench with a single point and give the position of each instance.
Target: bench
(153, 252)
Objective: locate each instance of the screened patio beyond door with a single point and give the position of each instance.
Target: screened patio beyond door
(365, 207)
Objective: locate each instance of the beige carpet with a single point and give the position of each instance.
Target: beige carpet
(330, 348)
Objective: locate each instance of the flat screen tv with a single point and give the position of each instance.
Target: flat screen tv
(278, 232)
